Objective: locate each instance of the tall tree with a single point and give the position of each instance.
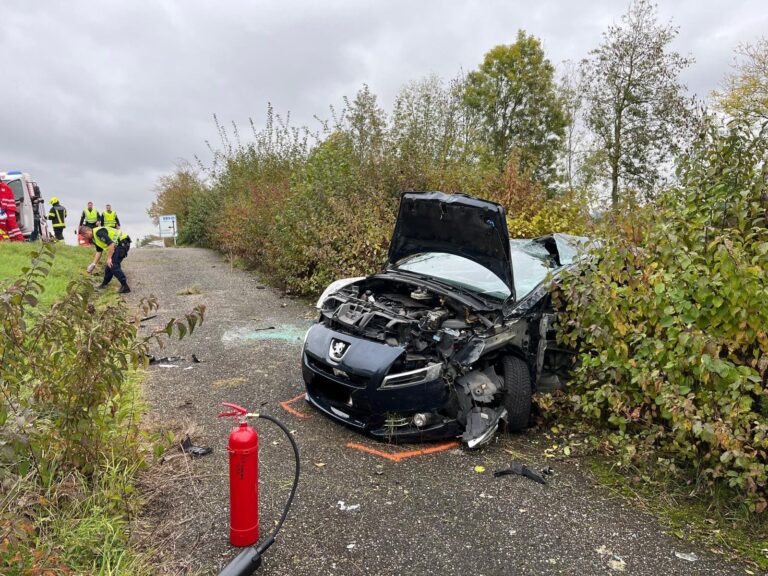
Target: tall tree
(573, 152)
(366, 124)
(430, 133)
(174, 193)
(635, 105)
(514, 93)
(747, 88)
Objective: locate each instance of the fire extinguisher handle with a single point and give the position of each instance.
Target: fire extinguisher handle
(237, 410)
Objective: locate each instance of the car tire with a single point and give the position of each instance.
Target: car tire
(517, 393)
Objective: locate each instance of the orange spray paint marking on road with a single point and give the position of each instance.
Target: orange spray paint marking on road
(286, 405)
(402, 455)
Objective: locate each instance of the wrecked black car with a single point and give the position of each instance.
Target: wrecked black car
(452, 338)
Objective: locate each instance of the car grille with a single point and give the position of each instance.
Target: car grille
(334, 373)
(333, 392)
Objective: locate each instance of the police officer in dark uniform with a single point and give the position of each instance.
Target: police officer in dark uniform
(116, 244)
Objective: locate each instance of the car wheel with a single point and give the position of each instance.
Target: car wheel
(517, 394)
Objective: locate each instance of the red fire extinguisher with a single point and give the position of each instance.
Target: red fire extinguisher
(243, 489)
(243, 449)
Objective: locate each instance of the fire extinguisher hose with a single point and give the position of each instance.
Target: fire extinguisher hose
(249, 560)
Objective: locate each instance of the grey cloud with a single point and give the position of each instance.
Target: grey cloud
(99, 99)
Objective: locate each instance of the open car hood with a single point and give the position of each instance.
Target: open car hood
(454, 224)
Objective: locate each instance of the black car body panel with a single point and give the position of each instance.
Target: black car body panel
(419, 351)
(455, 224)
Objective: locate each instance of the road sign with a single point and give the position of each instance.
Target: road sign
(168, 226)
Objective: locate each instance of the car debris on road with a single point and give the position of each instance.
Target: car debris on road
(521, 469)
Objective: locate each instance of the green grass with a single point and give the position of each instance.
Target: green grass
(75, 522)
(81, 523)
(69, 263)
(86, 524)
(711, 522)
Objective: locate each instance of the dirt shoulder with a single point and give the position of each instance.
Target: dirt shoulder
(357, 512)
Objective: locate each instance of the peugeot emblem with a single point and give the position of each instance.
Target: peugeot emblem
(338, 349)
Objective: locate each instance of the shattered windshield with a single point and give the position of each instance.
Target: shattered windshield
(531, 262)
(456, 271)
(533, 259)
(570, 247)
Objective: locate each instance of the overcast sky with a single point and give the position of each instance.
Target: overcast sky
(99, 98)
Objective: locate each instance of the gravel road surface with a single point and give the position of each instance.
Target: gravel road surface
(356, 512)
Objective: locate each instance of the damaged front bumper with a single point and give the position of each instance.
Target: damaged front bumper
(351, 380)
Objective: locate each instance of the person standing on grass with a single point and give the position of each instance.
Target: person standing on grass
(57, 215)
(109, 218)
(116, 244)
(90, 217)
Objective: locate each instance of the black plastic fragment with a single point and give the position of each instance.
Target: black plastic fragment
(521, 470)
(187, 447)
(164, 359)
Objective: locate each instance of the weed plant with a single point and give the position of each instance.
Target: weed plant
(69, 423)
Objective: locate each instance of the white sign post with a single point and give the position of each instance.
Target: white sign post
(168, 227)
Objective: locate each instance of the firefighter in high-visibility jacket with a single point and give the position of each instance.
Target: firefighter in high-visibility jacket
(116, 244)
(57, 215)
(109, 218)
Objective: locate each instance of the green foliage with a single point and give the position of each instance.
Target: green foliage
(433, 138)
(68, 412)
(566, 214)
(635, 104)
(306, 214)
(670, 322)
(301, 245)
(203, 210)
(173, 192)
(514, 94)
(746, 95)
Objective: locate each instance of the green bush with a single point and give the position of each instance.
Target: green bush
(203, 213)
(671, 322)
(68, 420)
(305, 214)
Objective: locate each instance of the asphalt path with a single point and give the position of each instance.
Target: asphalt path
(363, 508)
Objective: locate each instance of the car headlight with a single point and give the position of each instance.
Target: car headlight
(412, 377)
(335, 286)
